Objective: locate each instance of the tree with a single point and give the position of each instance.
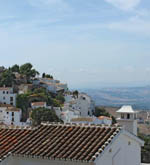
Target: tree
(61, 98)
(76, 93)
(56, 103)
(28, 71)
(44, 115)
(100, 111)
(43, 75)
(22, 102)
(15, 68)
(145, 152)
(44, 95)
(7, 78)
(49, 76)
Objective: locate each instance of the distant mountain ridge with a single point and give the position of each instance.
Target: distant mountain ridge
(138, 97)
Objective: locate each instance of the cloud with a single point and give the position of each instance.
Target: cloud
(124, 4)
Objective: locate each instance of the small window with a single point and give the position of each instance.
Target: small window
(7, 92)
(12, 119)
(11, 103)
(4, 102)
(3, 92)
(11, 98)
(7, 112)
(3, 98)
(12, 113)
(128, 116)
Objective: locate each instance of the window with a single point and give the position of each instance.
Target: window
(3, 98)
(4, 102)
(3, 92)
(12, 113)
(12, 119)
(7, 92)
(7, 112)
(11, 98)
(128, 116)
(11, 103)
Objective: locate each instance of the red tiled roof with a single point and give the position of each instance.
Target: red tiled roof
(104, 117)
(38, 103)
(5, 105)
(57, 141)
(5, 88)
(13, 109)
(79, 119)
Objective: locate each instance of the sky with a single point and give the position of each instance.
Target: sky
(86, 43)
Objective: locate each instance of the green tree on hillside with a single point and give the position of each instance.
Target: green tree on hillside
(48, 76)
(7, 78)
(75, 93)
(15, 68)
(43, 75)
(22, 101)
(44, 115)
(100, 111)
(61, 98)
(28, 71)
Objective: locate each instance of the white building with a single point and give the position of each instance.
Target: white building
(83, 103)
(57, 144)
(127, 117)
(103, 120)
(68, 115)
(49, 80)
(7, 96)
(10, 115)
(35, 105)
(93, 120)
(51, 85)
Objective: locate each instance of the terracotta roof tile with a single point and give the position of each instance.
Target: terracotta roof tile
(38, 103)
(5, 88)
(5, 105)
(79, 119)
(13, 109)
(74, 142)
(104, 117)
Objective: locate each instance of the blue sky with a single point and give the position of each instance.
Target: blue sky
(86, 43)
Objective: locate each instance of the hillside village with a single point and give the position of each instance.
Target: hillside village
(23, 92)
(43, 122)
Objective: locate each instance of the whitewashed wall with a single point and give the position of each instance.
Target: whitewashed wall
(122, 153)
(35, 161)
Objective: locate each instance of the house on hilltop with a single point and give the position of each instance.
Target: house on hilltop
(66, 144)
(51, 85)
